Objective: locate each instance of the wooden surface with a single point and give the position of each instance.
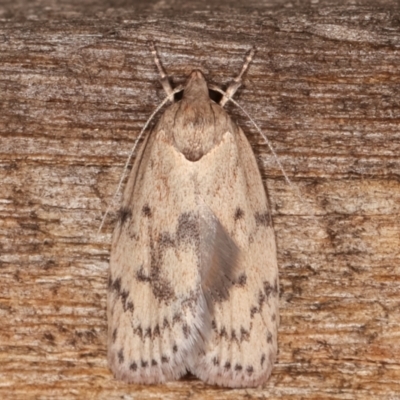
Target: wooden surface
(77, 83)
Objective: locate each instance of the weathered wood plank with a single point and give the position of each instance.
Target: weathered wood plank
(77, 83)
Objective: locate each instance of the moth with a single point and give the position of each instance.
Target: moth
(193, 283)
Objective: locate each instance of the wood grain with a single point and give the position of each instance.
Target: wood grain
(77, 83)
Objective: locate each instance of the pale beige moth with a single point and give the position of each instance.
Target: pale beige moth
(193, 284)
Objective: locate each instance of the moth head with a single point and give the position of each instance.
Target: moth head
(196, 87)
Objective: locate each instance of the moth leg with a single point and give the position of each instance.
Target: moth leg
(235, 84)
(163, 76)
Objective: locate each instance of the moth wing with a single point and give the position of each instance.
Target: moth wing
(155, 303)
(242, 345)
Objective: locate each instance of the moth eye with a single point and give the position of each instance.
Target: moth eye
(178, 96)
(215, 96)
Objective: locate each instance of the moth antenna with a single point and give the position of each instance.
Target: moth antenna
(130, 156)
(170, 97)
(235, 84)
(163, 75)
(293, 187)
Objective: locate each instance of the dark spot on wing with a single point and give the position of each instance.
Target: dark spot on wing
(164, 359)
(156, 331)
(146, 211)
(133, 366)
(160, 287)
(269, 337)
(129, 306)
(141, 276)
(191, 301)
(124, 297)
(233, 336)
(186, 330)
(227, 365)
(144, 364)
(261, 298)
(188, 230)
(238, 367)
(239, 214)
(270, 290)
(244, 334)
(250, 370)
(121, 356)
(241, 280)
(262, 359)
(253, 310)
(165, 241)
(215, 361)
(262, 219)
(122, 294)
(175, 348)
(124, 214)
(273, 317)
(147, 333)
(114, 335)
(223, 333)
(154, 363)
(117, 285)
(176, 318)
(138, 331)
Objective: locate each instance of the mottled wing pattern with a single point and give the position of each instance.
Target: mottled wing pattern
(242, 346)
(193, 272)
(155, 302)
